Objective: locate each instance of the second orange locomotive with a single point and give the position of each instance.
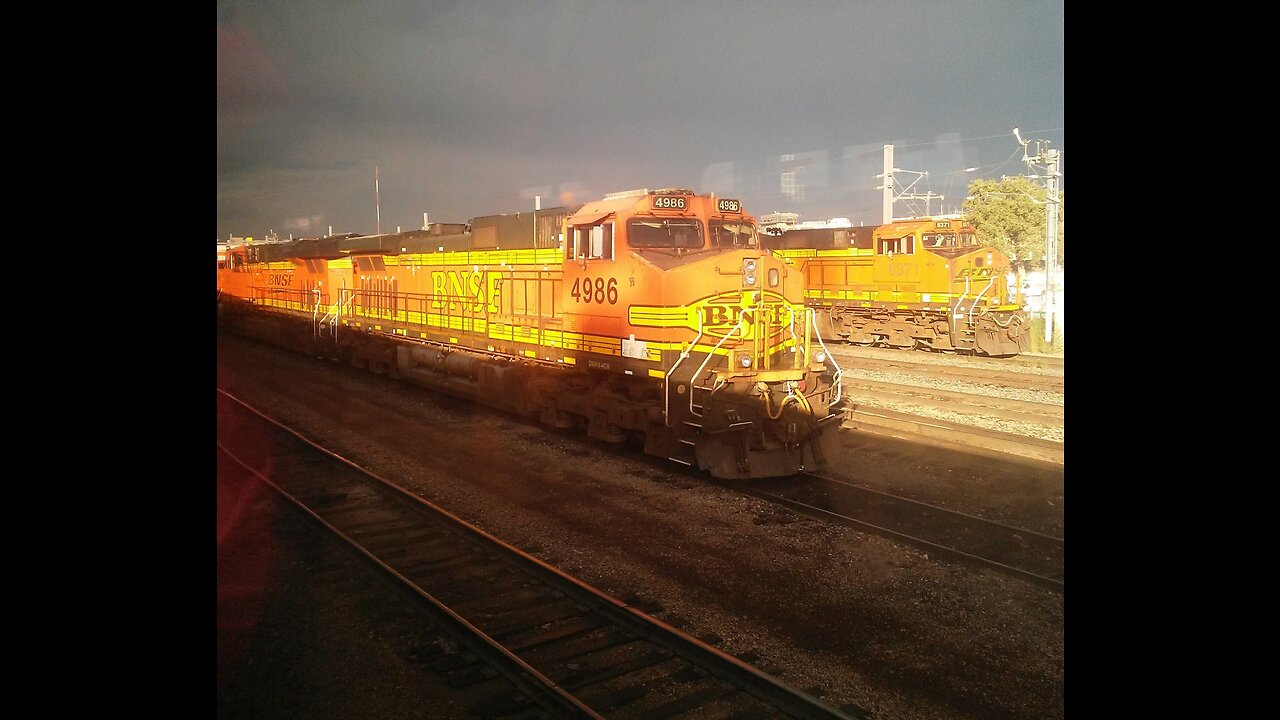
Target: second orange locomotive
(922, 283)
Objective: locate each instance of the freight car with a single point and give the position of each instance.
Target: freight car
(652, 316)
(924, 283)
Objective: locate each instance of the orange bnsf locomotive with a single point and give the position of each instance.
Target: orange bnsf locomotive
(923, 283)
(652, 316)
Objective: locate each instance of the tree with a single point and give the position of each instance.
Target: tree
(1010, 214)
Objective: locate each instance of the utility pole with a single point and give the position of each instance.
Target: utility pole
(886, 204)
(1050, 159)
(888, 198)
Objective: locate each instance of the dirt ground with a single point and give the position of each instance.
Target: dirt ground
(875, 627)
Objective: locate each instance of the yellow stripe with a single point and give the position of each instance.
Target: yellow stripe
(561, 340)
(804, 253)
(657, 374)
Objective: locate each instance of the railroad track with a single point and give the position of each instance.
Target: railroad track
(572, 649)
(944, 405)
(1015, 551)
(946, 434)
(1028, 361)
(855, 363)
(1037, 413)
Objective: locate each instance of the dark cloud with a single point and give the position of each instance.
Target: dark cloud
(465, 106)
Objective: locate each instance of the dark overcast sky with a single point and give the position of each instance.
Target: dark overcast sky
(473, 107)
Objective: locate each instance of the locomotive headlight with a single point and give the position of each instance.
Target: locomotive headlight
(821, 357)
(749, 265)
(750, 279)
(744, 361)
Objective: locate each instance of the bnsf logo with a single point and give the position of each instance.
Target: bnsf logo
(718, 315)
(717, 320)
(282, 279)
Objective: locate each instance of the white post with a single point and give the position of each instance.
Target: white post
(886, 211)
(1051, 245)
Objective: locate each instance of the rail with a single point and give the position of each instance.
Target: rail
(441, 562)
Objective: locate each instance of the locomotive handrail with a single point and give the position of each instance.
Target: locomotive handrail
(278, 297)
(324, 319)
(792, 328)
(333, 309)
(978, 297)
(960, 301)
(830, 358)
(666, 378)
(693, 381)
(337, 317)
(315, 309)
(336, 310)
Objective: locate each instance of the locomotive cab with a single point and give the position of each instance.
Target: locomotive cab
(721, 323)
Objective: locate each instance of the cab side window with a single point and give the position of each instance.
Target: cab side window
(594, 242)
(892, 246)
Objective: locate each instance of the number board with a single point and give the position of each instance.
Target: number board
(670, 202)
(730, 206)
(943, 224)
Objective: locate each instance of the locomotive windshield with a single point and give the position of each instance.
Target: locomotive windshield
(945, 240)
(732, 233)
(664, 232)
